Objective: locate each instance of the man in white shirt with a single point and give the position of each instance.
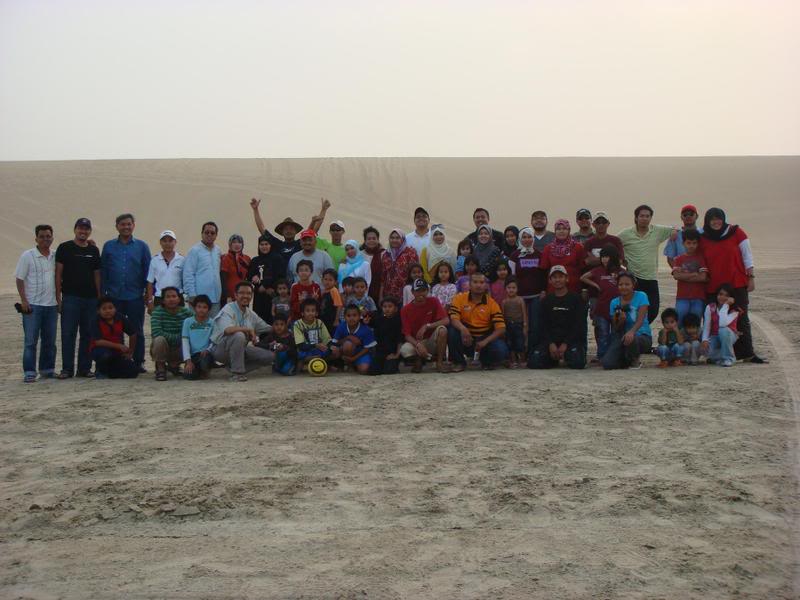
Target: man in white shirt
(36, 285)
(166, 270)
(421, 236)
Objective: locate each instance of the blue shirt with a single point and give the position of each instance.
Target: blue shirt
(123, 269)
(674, 248)
(201, 272)
(639, 299)
(362, 332)
(198, 334)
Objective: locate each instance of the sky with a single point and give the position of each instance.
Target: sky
(107, 79)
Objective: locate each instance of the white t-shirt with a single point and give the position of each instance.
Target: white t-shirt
(418, 242)
(166, 275)
(39, 274)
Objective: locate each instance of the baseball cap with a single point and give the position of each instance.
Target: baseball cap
(419, 209)
(601, 215)
(338, 224)
(168, 233)
(83, 222)
(418, 285)
(558, 269)
(583, 212)
(689, 207)
(308, 233)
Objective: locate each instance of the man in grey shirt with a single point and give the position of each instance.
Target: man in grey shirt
(541, 237)
(322, 260)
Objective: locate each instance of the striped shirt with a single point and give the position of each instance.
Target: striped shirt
(169, 325)
(480, 318)
(39, 274)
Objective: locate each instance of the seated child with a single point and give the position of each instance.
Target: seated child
(281, 341)
(415, 272)
(471, 265)
(388, 333)
(356, 340)
(166, 326)
(113, 359)
(330, 305)
(692, 344)
(304, 288)
(196, 339)
(361, 299)
(720, 328)
(282, 302)
(515, 313)
(670, 339)
(311, 336)
(444, 284)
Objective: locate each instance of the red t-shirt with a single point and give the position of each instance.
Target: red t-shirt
(573, 263)
(608, 291)
(690, 264)
(724, 261)
(299, 293)
(413, 316)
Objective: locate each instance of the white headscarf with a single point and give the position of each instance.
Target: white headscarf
(437, 253)
(522, 249)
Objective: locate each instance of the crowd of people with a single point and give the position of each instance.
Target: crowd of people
(521, 297)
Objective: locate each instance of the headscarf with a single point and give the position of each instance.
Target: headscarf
(240, 261)
(436, 253)
(507, 249)
(483, 251)
(272, 262)
(394, 253)
(523, 251)
(375, 267)
(351, 264)
(717, 235)
(562, 248)
(236, 238)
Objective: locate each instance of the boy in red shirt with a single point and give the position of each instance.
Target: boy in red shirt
(691, 273)
(113, 358)
(304, 288)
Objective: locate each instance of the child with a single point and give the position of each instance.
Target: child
(356, 340)
(691, 272)
(720, 327)
(166, 326)
(281, 342)
(515, 314)
(497, 289)
(670, 340)
(362, 300)
(282, 303)
(444, 284)
(692, 346)
(196, 339)
(603, 278)
(330, 305)
(304, 288)
(471, 265)
(347, 287)
(415, 272)
(311, 336)
(113, 359)
(464, 250)
(388, 333)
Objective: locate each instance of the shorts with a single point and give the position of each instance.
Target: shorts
(408, 350)
(364, 360)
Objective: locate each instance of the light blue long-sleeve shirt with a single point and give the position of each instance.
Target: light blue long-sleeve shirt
(123, 269)
(201, 272)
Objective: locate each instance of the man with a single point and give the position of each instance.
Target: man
(77, 290)
(201, 268)
(334, 248)
(124, 264)
(236, 331)
(584, 220)
(424, 326)
(309, 251)
(166, 270)
(476, 326)
(601, 237)
(36, 285)
(563, 320)
(541, 236)
(641, 243)
(287, 229)
(481, 217)
(421, 236)
(674, 248)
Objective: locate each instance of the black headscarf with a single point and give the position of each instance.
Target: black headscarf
(509, 250)
(717, 235)
(269, 267)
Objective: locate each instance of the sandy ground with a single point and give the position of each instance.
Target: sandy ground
(516, 484)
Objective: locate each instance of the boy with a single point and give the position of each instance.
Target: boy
(516, 315)
(670, 339)
(691, 273)
(196, 340)
(388, 333)
(361, 299)
(356, 340)
(330, 306)
(305, 288)
(347, 287)
(166, 325)
(113, 359)
(692, 343)
(281, 342)
(311, 336)
(282, 303)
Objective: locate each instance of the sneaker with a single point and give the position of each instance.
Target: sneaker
(239, 378)
(726, 363)
(142, 369)
(64, 375)
(86, 374)
(30, 379)
(757, 360)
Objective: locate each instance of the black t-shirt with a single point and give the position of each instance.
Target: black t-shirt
(284, 248)
(388, 332)
(80, 263)
(561, 319)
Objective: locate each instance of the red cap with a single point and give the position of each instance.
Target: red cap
(306, 233)
(689, 207)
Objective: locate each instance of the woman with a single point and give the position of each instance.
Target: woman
(565, 251)
(233, 267)
(729, 258)
(531, 281)
(355, 264)
(486, 252)
(264, 272)
(395, 262)
(630, 330)
(372, 250)
(435, 252)
(511, 238)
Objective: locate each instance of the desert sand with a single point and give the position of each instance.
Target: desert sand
(677, 483)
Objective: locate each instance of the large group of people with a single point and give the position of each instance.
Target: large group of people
(517, 297)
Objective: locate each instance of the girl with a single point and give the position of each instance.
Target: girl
(264, 271)
(511, 238)
(720, 327)
(524, 263)
(444, 284)
(415, 271)
(497, 289)
(564, 250)
(486, 252)
(464, 250)
(233, 267)
(282, 302)
(630, 331)
(395, 262)
(355, 264)
(373, 250)
(471, 265)
(436, 252)
(515, 314)
(604, 280)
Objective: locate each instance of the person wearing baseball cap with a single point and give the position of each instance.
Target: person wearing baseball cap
(166, 270)
(601, 238)
(309, 251)
(77, 287)
(424, 325)
(584, 220)
(335, 248)
(421, 236)
(674, 248)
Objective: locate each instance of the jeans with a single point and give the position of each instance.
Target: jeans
(40, 324)
(602, 334)
(650, 287)
(684, 306)
(620, 356)
(743, 346)
(670, 352)
(202, 364)
(721, 346)
(110, 365)
(534, 323)
(574, 357)
(133, 310)
(494, 353)
(693, 351)
(77, 314)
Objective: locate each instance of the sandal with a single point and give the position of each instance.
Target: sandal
(458, 368)
(161, 375)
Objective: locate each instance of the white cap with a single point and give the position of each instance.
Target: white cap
(168, 232)
(338, 224)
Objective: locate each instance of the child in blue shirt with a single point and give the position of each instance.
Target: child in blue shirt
(196, 338)
(356, 340)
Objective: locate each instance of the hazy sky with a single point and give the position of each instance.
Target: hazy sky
(147, 79)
